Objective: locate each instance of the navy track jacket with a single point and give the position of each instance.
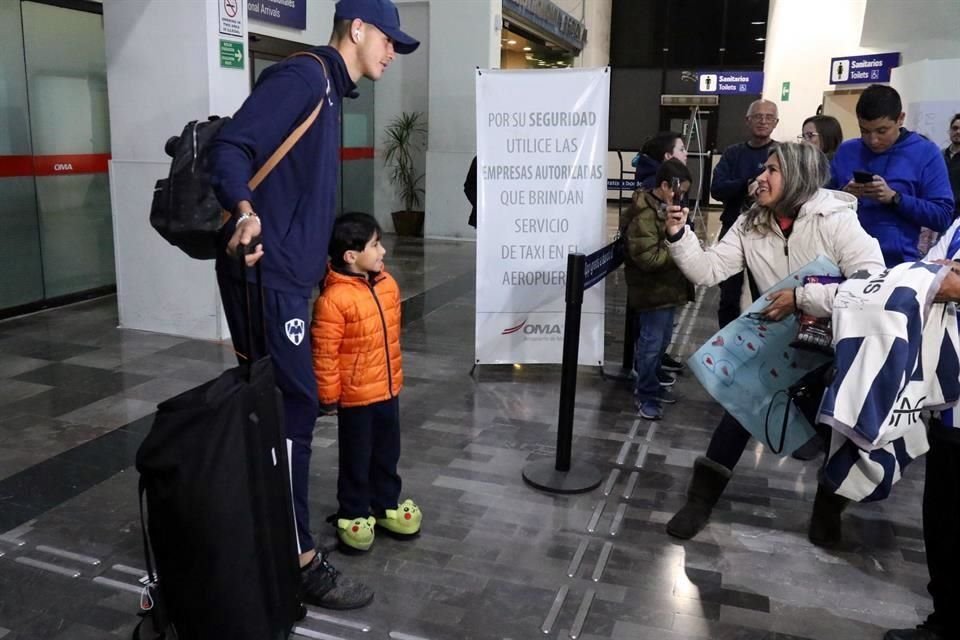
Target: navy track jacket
(297, 201)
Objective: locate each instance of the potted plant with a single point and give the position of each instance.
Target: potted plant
(406, 138)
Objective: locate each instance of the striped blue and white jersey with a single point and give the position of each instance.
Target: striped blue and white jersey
(897, 354)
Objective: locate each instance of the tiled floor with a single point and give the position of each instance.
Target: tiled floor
(496, 559)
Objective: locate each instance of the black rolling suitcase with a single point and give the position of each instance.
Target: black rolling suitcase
(220, 519)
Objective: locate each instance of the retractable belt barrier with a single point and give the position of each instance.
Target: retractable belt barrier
(563, 476)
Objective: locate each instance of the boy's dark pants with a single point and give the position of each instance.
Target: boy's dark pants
(369, 439)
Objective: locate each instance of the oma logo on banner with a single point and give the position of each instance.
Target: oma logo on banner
(534, 329)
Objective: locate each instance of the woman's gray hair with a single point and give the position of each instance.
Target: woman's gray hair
(804, 169)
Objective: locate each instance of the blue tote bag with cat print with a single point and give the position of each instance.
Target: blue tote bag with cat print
(749, 366)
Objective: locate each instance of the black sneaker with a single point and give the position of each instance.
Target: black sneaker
(667, 363)
(667, 396)
(666, 379)
(323, 586)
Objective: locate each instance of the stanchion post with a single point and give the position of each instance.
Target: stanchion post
(561, 476)
(571, 357)
(628, 340)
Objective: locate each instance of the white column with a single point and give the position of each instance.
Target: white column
(163, 70)
(464, 35)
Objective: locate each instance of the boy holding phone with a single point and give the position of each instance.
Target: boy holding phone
(898, 175)
(655, 285)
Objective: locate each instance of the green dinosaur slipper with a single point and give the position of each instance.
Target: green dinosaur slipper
(356, 534)
(402, 522)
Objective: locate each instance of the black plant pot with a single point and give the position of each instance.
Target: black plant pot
(408, 223)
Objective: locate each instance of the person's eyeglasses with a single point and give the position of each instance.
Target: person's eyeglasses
(762, 117)
(809, 135)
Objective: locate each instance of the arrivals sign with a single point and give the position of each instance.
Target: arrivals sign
(865, 69)
(286, 13)
(730, 82)
(542, 188)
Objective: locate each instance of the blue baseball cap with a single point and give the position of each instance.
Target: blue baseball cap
(383, 15)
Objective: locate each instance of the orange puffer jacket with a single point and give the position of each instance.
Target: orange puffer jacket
(356, 340)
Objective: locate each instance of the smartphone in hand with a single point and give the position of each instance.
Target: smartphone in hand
(862, 177)
(677, 196)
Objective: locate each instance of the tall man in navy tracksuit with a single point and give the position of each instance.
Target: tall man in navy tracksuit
(292, 214)
(909, 188)
(731, 184)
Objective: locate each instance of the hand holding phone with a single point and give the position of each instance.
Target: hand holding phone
(675, 189)
(862, 177)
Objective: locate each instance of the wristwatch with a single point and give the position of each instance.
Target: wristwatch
(896, 199)
(247, 214)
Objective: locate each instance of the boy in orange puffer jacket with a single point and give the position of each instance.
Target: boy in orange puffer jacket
(356, 359)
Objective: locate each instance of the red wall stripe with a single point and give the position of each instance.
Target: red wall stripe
(16, 166)
(70, 164)
(356, 153)
(85, 163)
(54, 165)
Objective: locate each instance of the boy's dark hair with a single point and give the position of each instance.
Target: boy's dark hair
(671, 169)
(879, 101)
(955, 117)
(352, 232)
(660, 144)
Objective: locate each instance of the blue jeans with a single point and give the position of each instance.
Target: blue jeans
(653, 330)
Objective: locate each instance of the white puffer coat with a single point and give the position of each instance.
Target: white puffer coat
(827, 225)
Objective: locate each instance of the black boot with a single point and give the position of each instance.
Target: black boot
(709, 480)
(825, 526)
(813, 448)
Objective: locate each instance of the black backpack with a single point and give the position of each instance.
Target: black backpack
(185, 210)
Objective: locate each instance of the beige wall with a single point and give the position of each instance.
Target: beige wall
(801, 54)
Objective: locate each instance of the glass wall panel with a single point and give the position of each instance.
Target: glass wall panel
(22, 275)
(356, 186)
(66, 79)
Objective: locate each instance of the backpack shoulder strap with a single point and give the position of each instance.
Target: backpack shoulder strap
(294, 137)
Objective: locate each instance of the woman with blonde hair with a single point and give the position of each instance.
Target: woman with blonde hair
(793, 221)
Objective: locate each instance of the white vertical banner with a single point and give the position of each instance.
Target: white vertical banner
(541, 170)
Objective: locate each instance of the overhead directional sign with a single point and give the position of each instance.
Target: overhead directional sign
(286, 13)
(863, 69)
(730, 82)
(231, 54)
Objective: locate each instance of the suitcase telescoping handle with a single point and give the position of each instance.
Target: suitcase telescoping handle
(256, 349)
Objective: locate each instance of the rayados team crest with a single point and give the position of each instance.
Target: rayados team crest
(295, 330)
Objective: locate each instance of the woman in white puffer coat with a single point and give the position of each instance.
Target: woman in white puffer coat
(793, 222)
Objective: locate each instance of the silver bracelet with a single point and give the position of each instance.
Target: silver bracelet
(247, 214)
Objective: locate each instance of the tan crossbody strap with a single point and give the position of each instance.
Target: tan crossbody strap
(297, 133)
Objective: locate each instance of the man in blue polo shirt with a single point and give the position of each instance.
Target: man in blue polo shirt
(908, 187)
(289, 220)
